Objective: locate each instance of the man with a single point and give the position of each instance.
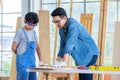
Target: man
(75, 41)
(24, 46)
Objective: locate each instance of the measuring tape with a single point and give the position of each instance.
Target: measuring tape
(105, 68)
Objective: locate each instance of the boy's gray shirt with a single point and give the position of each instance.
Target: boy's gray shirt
(21, 40)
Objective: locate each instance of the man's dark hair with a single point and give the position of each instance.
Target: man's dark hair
(59, 12)
(31, 17)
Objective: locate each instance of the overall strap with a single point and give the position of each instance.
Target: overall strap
(34, 34)
(25, 34)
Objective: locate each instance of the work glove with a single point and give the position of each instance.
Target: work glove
(40, 64)
(59, 64)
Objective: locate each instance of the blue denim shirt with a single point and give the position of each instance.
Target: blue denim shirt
(76, 41)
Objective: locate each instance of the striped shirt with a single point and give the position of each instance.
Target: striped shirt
(21, 39)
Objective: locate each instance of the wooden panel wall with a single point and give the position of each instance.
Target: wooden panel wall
(116, 49)
(13, 65)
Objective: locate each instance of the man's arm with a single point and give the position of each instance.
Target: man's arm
(14, 47)
(59, 58)
(65, 57)
(38, 52)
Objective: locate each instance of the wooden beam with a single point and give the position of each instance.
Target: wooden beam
(56, 38)
(102, 32)
(13, 65)
(71, 7)
(69, 63)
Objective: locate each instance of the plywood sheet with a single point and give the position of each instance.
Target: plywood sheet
(116, 49)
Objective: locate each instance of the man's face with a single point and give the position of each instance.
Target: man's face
(59, 21)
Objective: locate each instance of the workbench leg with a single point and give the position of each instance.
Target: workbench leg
(45, 76)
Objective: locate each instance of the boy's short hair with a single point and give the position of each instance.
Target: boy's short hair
(31, 17)
(59, 12)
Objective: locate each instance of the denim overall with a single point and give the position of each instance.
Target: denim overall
(26, 60)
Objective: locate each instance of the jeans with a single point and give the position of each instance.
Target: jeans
(88, 76)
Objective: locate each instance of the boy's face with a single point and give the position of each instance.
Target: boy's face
(59, 21)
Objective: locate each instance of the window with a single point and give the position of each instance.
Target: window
(8, 18)
(110, 26)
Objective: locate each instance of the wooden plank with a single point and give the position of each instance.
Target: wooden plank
(69, 63)
(56, 38)
(44, 35)
(102, 32)
(116, 49)
(4, 78)
(86, 20)
(71, 7)
(59, 2)
(13, 65)
(55, 45)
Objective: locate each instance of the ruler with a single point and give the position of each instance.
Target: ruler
(105, 68)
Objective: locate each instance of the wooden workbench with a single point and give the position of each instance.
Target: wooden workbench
(70, 70)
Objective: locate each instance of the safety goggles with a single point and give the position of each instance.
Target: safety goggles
(31, 24)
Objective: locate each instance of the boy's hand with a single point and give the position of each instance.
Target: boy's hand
(40, 64)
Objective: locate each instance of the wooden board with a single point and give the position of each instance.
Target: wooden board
(116, 49)
(56, 38)
(86, 20)
(43, 68)
(44, 35)
(102, 32)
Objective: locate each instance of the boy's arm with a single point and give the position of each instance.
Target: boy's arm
(38, 52)
(14, 47)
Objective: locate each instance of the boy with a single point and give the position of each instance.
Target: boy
(24, 46)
